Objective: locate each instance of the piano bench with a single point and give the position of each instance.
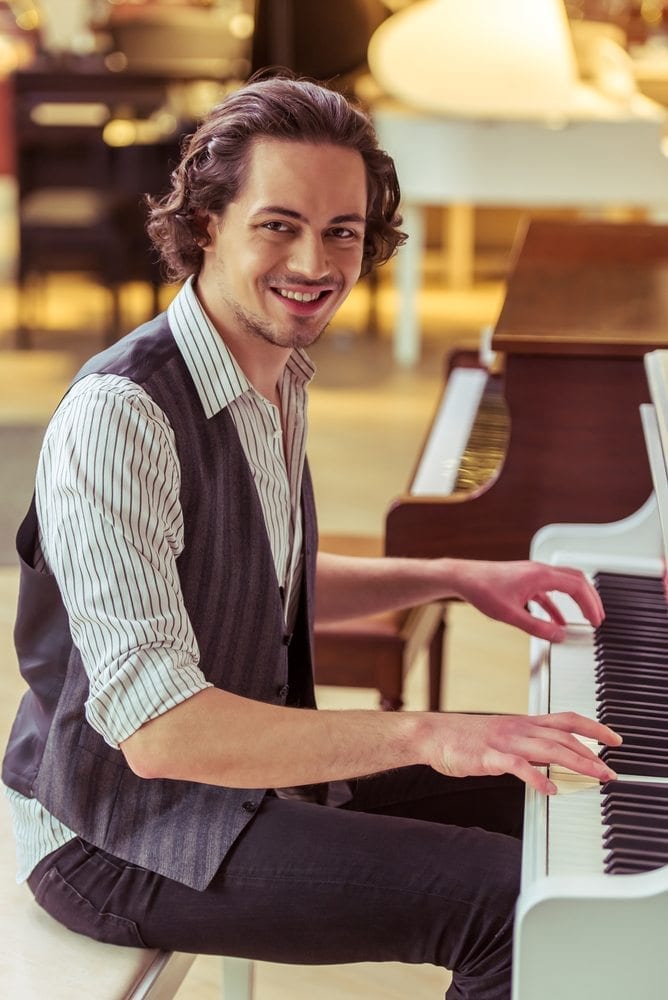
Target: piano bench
(41, 958)
(378, 651)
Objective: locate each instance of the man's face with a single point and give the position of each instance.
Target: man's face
(287, 251)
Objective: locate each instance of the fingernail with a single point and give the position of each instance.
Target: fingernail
(551, 788)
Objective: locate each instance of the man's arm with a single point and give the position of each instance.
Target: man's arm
(221, 739)
(349, 586)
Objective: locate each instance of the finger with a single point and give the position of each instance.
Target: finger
(539, 627)
(573, 722)
(574, 583)
(589, 600)
(566, 739)
(550, 608)
(502, 763)
(548, 752)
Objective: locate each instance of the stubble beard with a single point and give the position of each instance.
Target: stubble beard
(300, 336)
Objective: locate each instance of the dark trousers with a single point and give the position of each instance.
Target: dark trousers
(416, 868)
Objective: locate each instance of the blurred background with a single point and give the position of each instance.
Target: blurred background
(495, 111)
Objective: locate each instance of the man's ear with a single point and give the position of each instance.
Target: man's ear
(205, 225)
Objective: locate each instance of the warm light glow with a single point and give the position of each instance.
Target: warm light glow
(511, 58)
(119, 132)
(90, 114)
(116, 62)
(651, 11)
(241, 26)
(28, 20)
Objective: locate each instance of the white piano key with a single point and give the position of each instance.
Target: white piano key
(574, 843)
(572, 681)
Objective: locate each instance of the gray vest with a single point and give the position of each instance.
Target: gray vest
(179, 829)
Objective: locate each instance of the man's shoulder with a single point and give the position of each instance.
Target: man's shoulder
(138, 355)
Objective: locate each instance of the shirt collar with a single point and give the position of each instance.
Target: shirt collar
(218, 378)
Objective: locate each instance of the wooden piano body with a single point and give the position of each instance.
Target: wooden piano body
(583, 930)
(585, 301)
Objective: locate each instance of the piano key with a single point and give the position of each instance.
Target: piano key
(635, 791)
(571, 847)
(641, 819)
(618, 673)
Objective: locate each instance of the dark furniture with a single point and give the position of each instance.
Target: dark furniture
(585, 301)
(80, 193)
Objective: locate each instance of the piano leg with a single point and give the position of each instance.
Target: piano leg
(408, 277)
(459, 245)
(459, 239)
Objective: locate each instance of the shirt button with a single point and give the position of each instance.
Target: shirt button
(282, 690)
(249, 806)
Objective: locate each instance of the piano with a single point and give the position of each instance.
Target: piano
(585, 302)
(487, 104)
(593, 907)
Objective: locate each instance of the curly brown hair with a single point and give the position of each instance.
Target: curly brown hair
(215, 158)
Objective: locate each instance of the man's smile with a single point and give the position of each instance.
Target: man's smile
(302, 302)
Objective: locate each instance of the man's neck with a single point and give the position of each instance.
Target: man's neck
(261, 362)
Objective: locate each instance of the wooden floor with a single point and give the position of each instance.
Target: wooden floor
(367, 420)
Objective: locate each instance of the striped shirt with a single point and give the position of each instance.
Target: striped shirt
(111, 530)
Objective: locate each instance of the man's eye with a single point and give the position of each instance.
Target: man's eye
(342, 233)
(277, 227)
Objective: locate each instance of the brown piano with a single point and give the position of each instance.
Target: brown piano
(585, 301)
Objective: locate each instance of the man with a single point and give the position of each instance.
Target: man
(171, 782)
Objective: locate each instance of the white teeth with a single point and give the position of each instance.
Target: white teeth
(298, 296)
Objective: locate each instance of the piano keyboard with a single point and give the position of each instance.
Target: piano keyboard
(622, 826)
(468, 438)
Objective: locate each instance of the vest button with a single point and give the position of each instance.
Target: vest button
(287, 638)
(249, 806)
(282, 690)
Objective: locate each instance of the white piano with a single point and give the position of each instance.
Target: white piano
(593, 911)
(482, 103)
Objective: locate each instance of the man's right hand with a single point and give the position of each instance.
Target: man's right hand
(464, 745)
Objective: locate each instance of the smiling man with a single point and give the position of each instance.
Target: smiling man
(172, 782)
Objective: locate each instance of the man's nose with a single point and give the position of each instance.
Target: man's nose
(308, 258)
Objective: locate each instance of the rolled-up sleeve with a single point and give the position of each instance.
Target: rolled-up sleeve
(111, 529)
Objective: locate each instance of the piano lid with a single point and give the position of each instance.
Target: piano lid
(509, 59)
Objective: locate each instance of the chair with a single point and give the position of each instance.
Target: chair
(41, 958)
(377, 651)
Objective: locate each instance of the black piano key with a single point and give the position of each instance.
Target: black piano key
(629, 764)
(616, 867)
(641, 755)
(634, 790)
(627, 727)
(632, 861)
(631, 656)
(640, 845)
(614, 716)
(638, 663)
(627, 675)
(631, 696)
(628, 582)
(642, 820)
(651, 624)
(650, 740)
